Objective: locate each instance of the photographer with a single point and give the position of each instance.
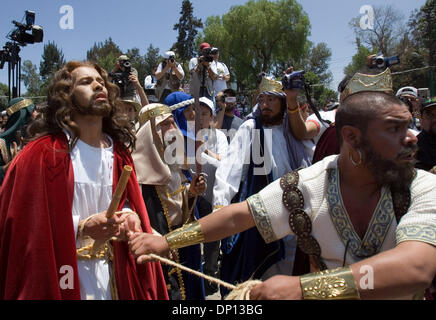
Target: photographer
(221, 70)
(126, 78)
(201, 67)
(226, 119)
(168, 74)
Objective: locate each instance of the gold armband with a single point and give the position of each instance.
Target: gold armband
(336, 284)
(187, 235)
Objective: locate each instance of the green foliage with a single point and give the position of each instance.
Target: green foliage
(151, 59)
(416, 46)
(31, 79)
(256, 36)
(187, 28)
(3, 96)
(359, 61)
(319, 92)
(105, 54)
(52, 60)
(138, 62)
(423, 27)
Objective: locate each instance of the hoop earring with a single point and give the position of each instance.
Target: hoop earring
(354, 162)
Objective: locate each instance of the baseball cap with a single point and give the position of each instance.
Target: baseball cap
(429, 104)
(123, 57)
(208, 103)
(407, 90)
(204, 45)
(169, 54)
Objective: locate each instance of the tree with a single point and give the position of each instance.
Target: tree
(138, 62)
(358, 61)
(52, 60)
(151, 59)
(31, 79)
(105, 54)
(388, 27)
(422, 25)
(4, 91)
(255, 36)
(187, 28)
(315, 59)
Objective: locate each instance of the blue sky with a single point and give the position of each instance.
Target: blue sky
(139, 23)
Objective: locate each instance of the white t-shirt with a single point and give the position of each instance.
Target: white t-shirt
(218, 146)
(310, 145)
(93, 174)
(221, 70)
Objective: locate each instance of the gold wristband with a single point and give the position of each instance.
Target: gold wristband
(293, 110)
(187, 235)
(336, 284)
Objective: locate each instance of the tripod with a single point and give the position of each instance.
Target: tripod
(10, 54)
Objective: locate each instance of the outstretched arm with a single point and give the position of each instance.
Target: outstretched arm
(398, 273)
(227, 221)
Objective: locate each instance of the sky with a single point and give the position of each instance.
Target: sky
(139, 23)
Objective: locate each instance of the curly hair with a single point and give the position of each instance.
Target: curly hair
(56, 116)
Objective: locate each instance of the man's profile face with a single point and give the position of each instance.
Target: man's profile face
(271, 109)
(388, 147)
(428, 120)
(167, 125)
(90, 96)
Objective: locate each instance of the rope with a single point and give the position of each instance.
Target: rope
(239, 292)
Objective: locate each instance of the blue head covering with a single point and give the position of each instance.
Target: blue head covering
(179, 117)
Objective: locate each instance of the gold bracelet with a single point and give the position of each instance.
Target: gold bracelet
(187, 235)
(293, 110)
(336, 284)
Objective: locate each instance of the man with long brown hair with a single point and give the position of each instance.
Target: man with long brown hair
(54, 199)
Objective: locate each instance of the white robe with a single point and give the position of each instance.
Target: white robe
(93, 179)
(234, 169)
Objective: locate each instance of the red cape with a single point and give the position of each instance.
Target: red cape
(37, 233)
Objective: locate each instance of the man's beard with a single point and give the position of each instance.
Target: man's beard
(388, 172)
(95, 108)
(230, 108)
(268, 120)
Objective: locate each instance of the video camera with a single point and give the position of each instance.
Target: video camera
(294, 80)
(226, 99)
(206, 55)
(20, 34)
(121, 79)
(20, 37)
(382, 62)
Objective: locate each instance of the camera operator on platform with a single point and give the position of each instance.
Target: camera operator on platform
(168, 74)
(201, 67)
